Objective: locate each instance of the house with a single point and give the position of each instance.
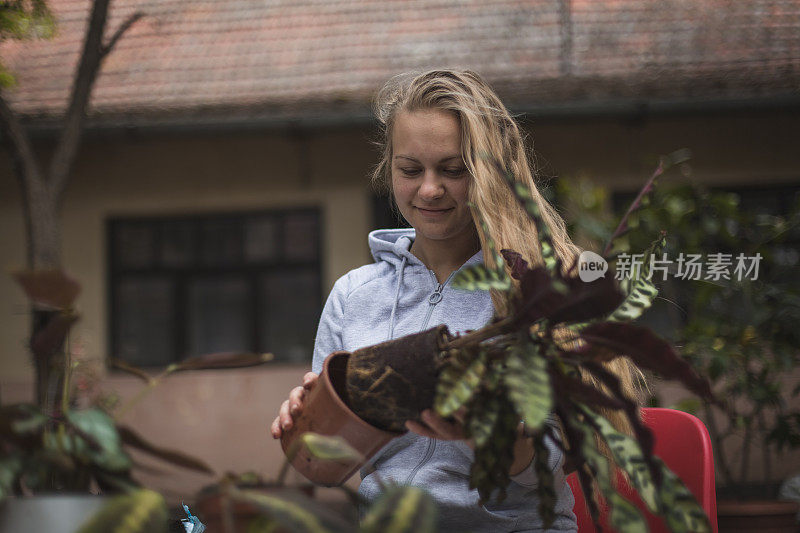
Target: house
(221, 186)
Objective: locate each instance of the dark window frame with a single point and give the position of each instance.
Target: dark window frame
(180, 277)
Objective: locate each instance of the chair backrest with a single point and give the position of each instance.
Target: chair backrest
(683, 443)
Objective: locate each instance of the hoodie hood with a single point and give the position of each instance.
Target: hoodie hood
(392, 245)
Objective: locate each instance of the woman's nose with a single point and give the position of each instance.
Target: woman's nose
(431, 187)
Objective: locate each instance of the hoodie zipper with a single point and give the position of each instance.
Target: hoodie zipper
(433, 299)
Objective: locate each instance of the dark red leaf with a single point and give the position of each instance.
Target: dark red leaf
(648, 351)
(588, 300)
(49, 287)
(224, 360)
(583, 392)
(130, 369)
(133, 439)
(518, 265)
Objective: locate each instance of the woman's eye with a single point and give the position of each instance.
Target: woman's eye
(455, 171)
(410, 171)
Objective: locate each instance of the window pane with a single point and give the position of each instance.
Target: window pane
(222, 241)
(290, 308)
(300, 236)
(133, 245)
(218, 318)
(177, 243)
(144, 323)
(260, 239)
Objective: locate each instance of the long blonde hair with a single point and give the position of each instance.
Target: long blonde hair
(487, 128)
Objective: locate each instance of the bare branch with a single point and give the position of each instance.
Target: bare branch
(20, 144)
(85, 76)
(125, 26)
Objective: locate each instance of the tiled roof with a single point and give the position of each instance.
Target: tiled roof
(203, 56)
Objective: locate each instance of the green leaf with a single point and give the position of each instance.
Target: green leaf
(643, 291)
(32, 424)
(263, 524)
(680, 508)
(458, 384)
(10, 469)
(525, 198)
(529, 384)
(478, 277)
(293, 510)
(493, 459)
(625, 517)
(483, 418)
(330, 448)
(98, 426)
(499, 262)
(401, 509)
(628, 456)
(143, 511)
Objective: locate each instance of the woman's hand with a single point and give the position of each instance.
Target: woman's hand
(293, 406)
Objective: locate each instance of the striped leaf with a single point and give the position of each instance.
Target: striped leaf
(624, 516)
(293, 510)
(547, 491)
(142, 511)
(458, 383)
(484, 415)
(642, 290)
(330, 448)
(478, 277)
(525, 198)
(401, 509)
(489, 472)
(529, 384)
(680, 508)
(628, 456)
(499, 268)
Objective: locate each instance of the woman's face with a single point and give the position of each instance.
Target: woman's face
(429, 178)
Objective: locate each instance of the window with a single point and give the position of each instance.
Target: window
(189, 285)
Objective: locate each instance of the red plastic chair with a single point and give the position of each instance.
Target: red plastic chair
(682, 442)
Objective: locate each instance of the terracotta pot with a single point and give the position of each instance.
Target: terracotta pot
(762, 516)
(326, 412)
(395, 381)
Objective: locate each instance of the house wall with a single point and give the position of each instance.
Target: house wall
(223, 416)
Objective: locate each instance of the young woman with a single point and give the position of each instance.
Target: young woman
(438, 127)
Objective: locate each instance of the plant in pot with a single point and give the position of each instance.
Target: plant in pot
(528, 366)
(739, 330)
(249, 503)
(55, 454)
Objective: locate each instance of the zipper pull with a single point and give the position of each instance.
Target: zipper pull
(436, 297)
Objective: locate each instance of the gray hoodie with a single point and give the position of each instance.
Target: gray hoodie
(397, 296)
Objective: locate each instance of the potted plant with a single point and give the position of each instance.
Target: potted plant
(55, 447)
(740, 332)
(247, 502)
(528, 366)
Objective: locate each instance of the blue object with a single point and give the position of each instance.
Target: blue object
(192, 524)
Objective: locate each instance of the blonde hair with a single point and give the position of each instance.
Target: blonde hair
(487, 129)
